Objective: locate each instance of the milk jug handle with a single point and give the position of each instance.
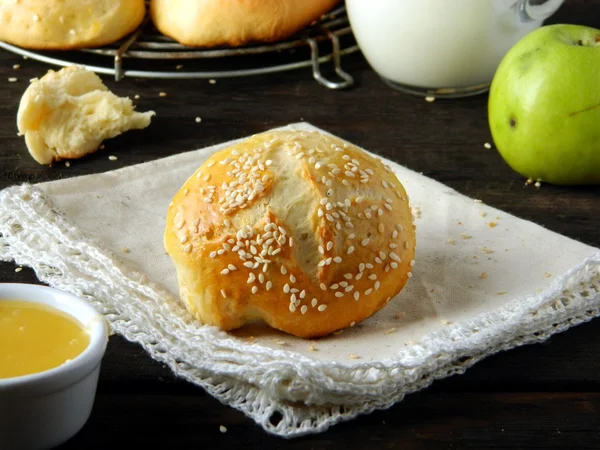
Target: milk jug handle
(535, 11)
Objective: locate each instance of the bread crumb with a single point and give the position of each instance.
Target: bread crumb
(445, 322)
(501, 292)
(465, 236)
(528, 181)
(211, 81)
(102, 147)
(400, 315)
(125, 250)
(482, 213)
(136, 96)
(476, 200)
(223, 429)
(162, 94)
(112, 158)
(16, 66)
(279, 341)
(486, 250)
(250, 338)
(18, 269)
(353, 356)
(338, 332)
(451, 241)
(492, 224)
(547, 275)
(391, 330)
(198, 120)
(483, 275)
(179, 66)
(312, 348)
(487, 145)
(538, 184)
(12, 79)
(430, 98)
(67, 164)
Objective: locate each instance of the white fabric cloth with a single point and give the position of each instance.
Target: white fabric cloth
(484, 281)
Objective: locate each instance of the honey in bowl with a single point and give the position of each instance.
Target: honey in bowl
(35, 337)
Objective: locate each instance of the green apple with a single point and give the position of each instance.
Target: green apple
(544, 105)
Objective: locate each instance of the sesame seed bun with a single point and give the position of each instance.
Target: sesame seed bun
(298, 229)
(68, 24)
(210, 23)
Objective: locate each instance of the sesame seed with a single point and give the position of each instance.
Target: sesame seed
(313, 302)
(349, 173)
(251, 277)
(198, 120)
(387, 206)
(211, 81)
(394, 265)
(136, 96)
(364, 242)
(18, 269)
(162, 94)
(392, 245)
(329, 245)
(224, 271)
(112, 158)
(377, 284)
(350, 250)
(223, 293)
(222, 429)
(283, 270)
(323, 286)
(351, 236)
(368, 291)
(187, 248)
(286, 288)
(322, 308)
(292, 278)
(430, 99)
(372, 276)
(356, 295)
(339, 294)
(292, 307)
(72, 32)
(409, 274)
(353, 356)
(487, 145)
(321, 250)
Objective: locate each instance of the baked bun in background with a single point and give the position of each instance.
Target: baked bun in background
(68, 24)
(210, 23)
(299, 229)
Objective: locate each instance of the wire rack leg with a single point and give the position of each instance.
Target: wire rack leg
(316, 66)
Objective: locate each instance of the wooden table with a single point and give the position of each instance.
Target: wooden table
(539, 396)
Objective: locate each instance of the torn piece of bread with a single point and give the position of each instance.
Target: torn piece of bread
(67, 114)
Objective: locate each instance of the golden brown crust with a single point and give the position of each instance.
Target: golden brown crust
(68, 24)
(211, 23)
(299, 229)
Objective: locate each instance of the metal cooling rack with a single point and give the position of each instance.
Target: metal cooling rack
(327, 40)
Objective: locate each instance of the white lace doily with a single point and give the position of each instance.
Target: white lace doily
(484, 281)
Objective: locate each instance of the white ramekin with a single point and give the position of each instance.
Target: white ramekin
(45, 409)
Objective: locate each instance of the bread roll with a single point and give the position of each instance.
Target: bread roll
(67, 114)
(68, 24)
(299, 229)
(210, 23)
